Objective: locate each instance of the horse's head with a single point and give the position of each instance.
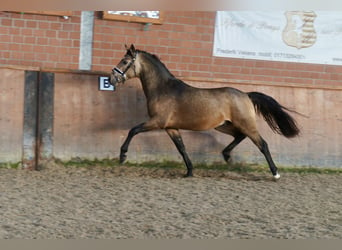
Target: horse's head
(126, 68)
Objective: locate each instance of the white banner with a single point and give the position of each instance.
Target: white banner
(291, 36)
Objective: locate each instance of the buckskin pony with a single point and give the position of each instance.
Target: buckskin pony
(173, 105)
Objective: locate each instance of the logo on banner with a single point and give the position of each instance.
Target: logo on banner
(300, 31)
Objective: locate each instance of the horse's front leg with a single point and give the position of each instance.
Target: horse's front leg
(143, 127)
(177, 139)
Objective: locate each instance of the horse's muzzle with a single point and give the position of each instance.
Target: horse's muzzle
(115, 79)
(117, 76)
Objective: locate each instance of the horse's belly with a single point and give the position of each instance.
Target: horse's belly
(196, 112)
(198, 123)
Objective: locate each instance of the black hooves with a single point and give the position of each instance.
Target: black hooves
(123, 158)
(188, 175)
(226, 157)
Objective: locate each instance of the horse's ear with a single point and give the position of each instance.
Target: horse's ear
(132, 48)
(126, 47)
(131, 51)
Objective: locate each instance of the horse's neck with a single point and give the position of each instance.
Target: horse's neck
(155, 80)
(152, 85)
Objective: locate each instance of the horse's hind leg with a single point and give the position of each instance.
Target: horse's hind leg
(247, 126)
(263, 147)
(177, 140)
(239, 137)
(228, 128)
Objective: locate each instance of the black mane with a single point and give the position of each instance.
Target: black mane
(154, 59)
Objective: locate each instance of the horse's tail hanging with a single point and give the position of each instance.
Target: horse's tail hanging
(274, 114)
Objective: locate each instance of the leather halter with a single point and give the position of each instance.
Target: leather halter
(123, 73)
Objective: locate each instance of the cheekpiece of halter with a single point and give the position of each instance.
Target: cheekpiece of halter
(123, 73)
(117, 70)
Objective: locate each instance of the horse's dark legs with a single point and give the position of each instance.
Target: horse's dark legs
(226, 151)
(262, 145)
(177, 139)
(143, 127)
(229, 129)
(267, 154)
(240, 134)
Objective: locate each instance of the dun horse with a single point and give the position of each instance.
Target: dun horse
(174, 105)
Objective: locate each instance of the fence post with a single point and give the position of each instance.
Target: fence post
(38, 119)
(29, 159)
(45, 118)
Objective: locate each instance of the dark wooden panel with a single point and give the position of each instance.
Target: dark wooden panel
(45, 117)
(29, 159)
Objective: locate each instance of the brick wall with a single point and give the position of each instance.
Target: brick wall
(39, 40)
(184, 43)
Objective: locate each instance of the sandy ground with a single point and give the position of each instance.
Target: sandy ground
(140, 203)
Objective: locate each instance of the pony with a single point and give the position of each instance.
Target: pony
(173, 105)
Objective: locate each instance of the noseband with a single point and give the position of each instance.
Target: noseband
(123, 73)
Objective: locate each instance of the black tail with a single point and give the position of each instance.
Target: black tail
(274, 114)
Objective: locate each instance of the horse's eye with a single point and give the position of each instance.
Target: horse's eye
(125, 62)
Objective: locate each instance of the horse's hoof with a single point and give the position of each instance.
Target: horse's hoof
(122, 158)
(188, 175)
(226, 158)
(276, 176)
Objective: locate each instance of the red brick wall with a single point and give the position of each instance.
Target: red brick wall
(39, 40)
(184, 43)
